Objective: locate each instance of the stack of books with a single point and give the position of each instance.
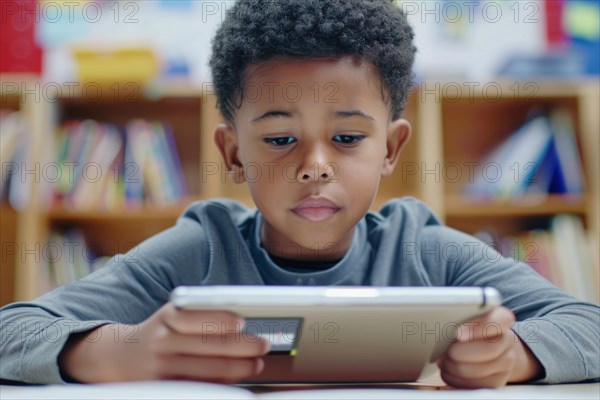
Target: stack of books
(106, 167)
(539, 158)
(16, 168)
(66, 258)
(563, 254)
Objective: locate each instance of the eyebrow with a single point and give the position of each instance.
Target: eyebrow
(352, 114)
(273, 114)
(333, 115)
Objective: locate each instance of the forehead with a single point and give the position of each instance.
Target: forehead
(322, 80)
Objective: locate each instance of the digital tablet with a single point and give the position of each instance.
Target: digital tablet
(340, 334)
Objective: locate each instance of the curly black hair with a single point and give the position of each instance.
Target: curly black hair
(255, 31)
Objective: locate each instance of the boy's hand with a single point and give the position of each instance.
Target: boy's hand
(171, 344)
(488, 353)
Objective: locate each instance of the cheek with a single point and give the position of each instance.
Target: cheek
(362, 171)
(362, 182)
(266, 185)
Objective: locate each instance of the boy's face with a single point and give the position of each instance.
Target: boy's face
(311, 130)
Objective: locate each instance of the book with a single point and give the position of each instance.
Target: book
(113, 185)
(154, 158)
(547, 175)
(10, 126)
(508, 169)
(133, 178)
(104, 167)
(539, 158)
(519, 164)
(564, 254)
(568, 155)
(15, 157)
(549, 266)
(570, 245)
(89, 192)
(172, 155)
(67, 257)
(19, 188)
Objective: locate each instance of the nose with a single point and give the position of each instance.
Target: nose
(315, 164)
(316, 172)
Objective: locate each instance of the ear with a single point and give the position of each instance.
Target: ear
(226, 141)
(399, 133)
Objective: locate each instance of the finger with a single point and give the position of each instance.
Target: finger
(503, 363)
(229, 345)
(216, 369)
(492, 381)
(481, 350)
(200, 322)
(486, 326)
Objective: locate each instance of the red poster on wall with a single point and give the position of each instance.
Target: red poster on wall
(19, 51)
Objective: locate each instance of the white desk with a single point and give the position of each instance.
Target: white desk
(182, 390)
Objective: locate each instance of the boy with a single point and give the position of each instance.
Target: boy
(333, 77)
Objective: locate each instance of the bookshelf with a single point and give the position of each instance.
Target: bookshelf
(448, 129)
(21, 232)
(473, 126)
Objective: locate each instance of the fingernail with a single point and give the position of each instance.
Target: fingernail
(260, 365)
(461, 335)
(239, 325)
(266, 346)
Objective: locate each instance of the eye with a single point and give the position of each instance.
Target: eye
(348, 139)
(280, 141)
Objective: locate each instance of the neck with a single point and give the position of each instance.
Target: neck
(326, 253)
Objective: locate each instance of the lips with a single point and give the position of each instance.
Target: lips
(316, 208)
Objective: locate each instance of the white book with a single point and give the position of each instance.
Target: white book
(587, 265)
(573, 257)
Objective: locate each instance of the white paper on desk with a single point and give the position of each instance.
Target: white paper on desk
(176, 390)
(182, 390)
(535, 392)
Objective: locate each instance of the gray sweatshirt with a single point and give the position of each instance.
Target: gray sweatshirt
(217, 242)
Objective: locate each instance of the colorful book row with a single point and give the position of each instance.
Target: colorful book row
(14, 146)
(564, 254)
(66, 258)
(105, 167)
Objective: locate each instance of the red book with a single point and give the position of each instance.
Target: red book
(555, 34)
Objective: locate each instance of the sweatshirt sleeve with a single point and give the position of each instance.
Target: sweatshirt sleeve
(127, 290)
(562, 331)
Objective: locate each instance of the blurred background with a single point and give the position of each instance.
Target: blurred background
(107, 114)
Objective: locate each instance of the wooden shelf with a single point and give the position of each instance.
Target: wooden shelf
(511, 90)
(171, 212)
(463, 206)
(9, 245)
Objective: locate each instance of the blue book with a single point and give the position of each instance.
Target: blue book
(548, 177)
(133, 177)
(172, 156)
